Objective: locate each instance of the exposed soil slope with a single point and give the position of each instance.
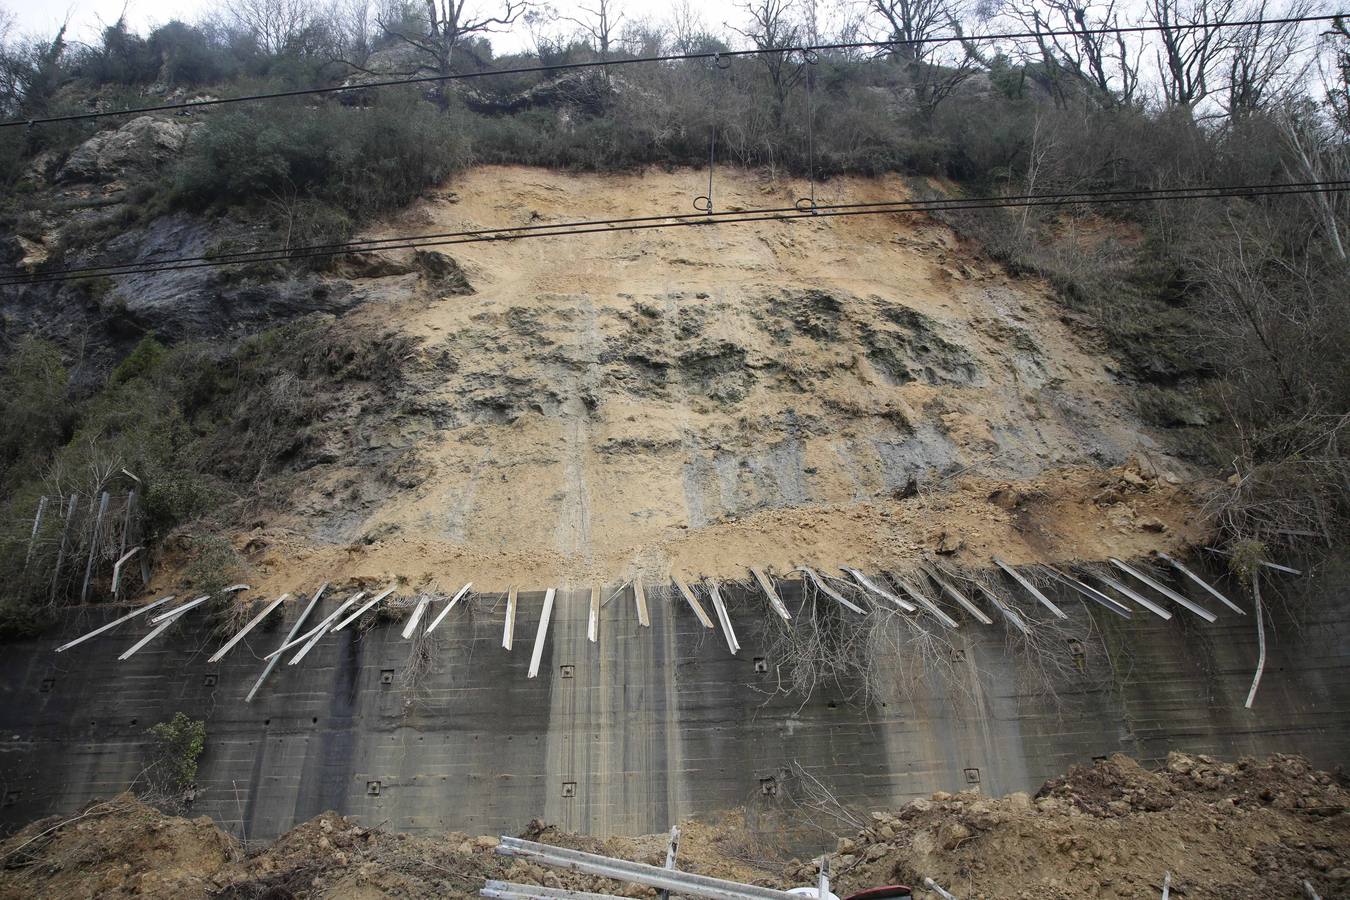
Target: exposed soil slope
(702, 399)
(1250, 829)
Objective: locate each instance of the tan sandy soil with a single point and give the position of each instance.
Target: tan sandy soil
(704, 399)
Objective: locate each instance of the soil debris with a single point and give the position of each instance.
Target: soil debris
(1112, 829)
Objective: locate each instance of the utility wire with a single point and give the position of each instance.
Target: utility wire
(640, 223)
(674, 57)
(375, 244)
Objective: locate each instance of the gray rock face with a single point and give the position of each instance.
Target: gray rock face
(183, 304)
(136, 150)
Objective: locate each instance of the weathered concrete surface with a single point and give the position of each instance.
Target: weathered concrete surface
(650, 726)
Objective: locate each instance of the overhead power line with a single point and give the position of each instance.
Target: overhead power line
(408, 241)
(642, 223)
(805, 49)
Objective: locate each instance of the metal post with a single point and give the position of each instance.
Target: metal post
(126, 521)
(61, 553)
(37, 523)
(823, 884)
(93, 544)
(671, 850)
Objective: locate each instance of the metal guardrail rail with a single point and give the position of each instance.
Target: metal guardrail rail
(686, 884)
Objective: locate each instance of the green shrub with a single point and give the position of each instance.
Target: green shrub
(359, 160)
(178, 744)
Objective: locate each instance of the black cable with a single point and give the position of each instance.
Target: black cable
(678, 57)
(676, 221)
(636, 223)
(375, 244)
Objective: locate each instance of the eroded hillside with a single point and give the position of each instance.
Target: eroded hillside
(844, 391)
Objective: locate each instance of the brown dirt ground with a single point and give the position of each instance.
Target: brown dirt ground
(1223, 830)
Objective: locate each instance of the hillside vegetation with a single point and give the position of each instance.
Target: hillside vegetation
(1226, 316)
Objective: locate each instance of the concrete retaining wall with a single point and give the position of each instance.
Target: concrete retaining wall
(652, 725)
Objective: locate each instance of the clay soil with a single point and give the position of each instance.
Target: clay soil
(1253, 828)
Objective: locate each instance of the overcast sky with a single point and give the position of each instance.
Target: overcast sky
(87, 17)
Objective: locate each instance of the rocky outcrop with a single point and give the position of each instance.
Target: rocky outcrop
(137, 150)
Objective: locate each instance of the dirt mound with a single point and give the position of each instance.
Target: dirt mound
(1224, 830)
(1245, 829)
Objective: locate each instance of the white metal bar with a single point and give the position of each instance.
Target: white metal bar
(926, 603)
(320, 631)
(948, 895)
(686, 884)
(965, 602)
(229, 645)
(829, 591)
(823, 882)
(1278, 568)
(1137, 598)
(117, 568)
(115, 622)
(1030, 588)
(879, 591)
(537, 656)
(640, 599)
(593, 618)
(364, 608)
(272, 658)
(722, 616)
(93, 545)
(179, 609)
(169, 619)
(1165, 591)
(692, 601)
(1203, 583)
(1008, 612)
(449, 606)
(774, 600)
(509, 629)
(156, 632)
(416, 617)
(1093, 594)
(506, 890)
(308, 634)
(1260, 640)
(37, 524)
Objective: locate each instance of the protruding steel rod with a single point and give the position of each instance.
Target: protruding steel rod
(272, 660)
(1030, 588)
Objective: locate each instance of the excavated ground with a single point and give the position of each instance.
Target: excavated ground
(703, 399)
(1112, 830)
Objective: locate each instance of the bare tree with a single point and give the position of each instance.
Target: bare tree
(1194, 41)
(1088, 56)
(351, 23)
(1264, 60)
(1316, 158)
(773, 27)
(448, 24)
(277, 25)
(1336, 73)
(688, 30)
(919, 30)
(601, 24)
